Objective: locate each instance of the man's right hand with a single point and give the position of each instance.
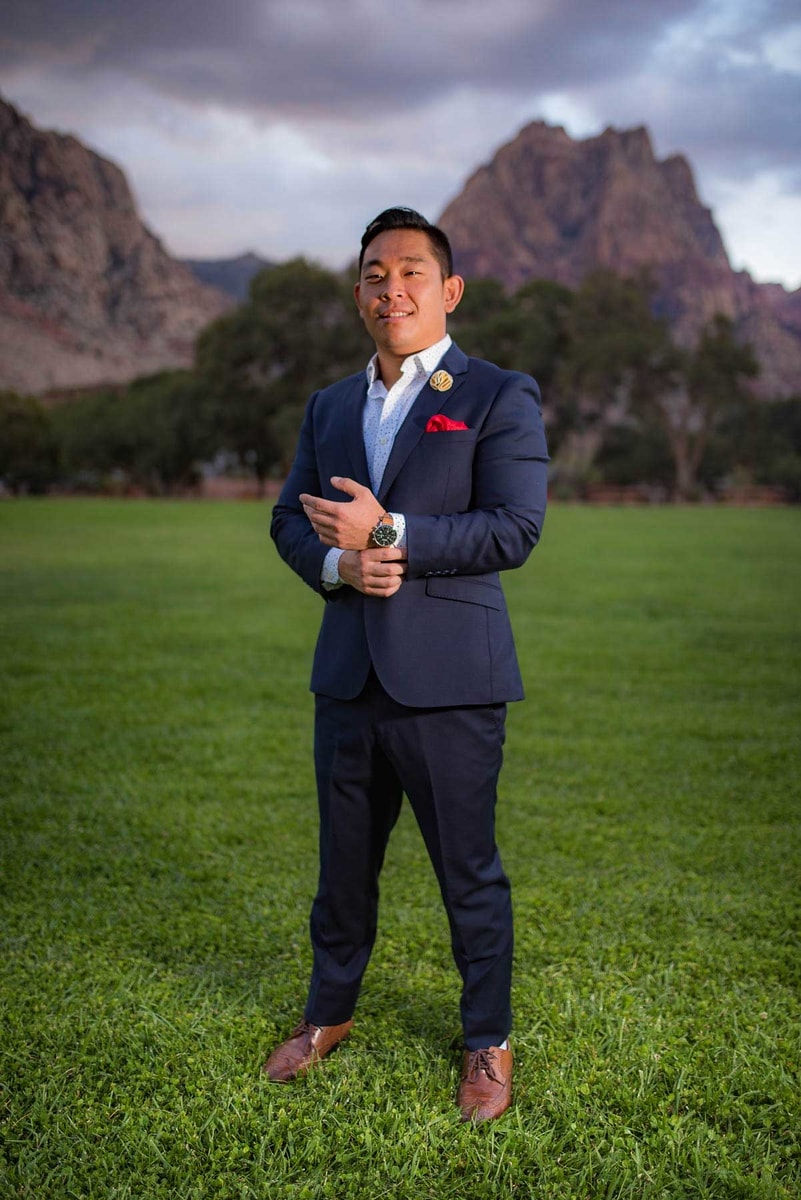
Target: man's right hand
(374, 572)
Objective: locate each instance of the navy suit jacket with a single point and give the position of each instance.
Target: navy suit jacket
(474, 503)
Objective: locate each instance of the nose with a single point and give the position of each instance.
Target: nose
(393, 286)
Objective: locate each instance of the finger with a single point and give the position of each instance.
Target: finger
(315, 504)
(390, 590)
(321, 520)
(349, 486)
(380, 575)
(321, 523)
(385, 554)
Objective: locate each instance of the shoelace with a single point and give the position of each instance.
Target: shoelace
(481, 1060)
(304, 1027)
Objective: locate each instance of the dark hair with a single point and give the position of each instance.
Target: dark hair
(407, 218)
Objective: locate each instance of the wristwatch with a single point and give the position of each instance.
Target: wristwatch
(384, 534)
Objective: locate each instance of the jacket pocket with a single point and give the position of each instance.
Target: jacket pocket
(470, 591)
(441, 438)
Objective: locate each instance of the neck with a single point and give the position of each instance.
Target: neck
(389, 364)
(389, 368)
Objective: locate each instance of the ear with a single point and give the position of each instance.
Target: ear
(356, 297)
(453, 290)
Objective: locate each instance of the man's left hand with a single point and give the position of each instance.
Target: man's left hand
(346, 524)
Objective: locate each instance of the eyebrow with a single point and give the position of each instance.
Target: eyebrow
(377, 262)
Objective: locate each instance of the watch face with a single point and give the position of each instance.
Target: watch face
(385, 535)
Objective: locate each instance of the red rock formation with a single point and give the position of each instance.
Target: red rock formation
(550, 207)
(87, 294)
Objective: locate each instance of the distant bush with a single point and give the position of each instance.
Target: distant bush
(28, 445)
(152, 435)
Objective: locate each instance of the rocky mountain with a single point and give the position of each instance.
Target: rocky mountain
(548, 206)
(88, 295)
(230, 275)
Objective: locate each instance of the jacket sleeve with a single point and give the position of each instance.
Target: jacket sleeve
(290, 529)
(509, 492)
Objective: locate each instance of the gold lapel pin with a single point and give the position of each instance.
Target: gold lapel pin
(441, 381)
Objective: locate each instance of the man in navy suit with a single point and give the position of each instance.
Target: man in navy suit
(414, 484)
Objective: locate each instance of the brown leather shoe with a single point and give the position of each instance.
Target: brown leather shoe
(485, 1090)
(304, 1047)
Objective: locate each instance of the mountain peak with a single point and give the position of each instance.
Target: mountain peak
(548, 205)
(553, 207)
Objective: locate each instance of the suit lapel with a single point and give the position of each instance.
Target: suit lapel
(426, 404)
(353, 430)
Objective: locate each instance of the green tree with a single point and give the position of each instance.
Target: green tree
(525, 331)
(153, 434)
(543, 309)
(28, 448)
(617, 356)
(778, 461)
(258, 365)
(90, 438)
(169, 427)
(480, 318)
(709, 385)
(636, 452)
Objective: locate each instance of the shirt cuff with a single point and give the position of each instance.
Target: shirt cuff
(399, 524)
(329, 575)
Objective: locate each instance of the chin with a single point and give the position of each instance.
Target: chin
(402, 345)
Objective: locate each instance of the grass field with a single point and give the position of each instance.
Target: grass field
(158, 848)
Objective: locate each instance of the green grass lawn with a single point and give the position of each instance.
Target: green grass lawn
(158, 846)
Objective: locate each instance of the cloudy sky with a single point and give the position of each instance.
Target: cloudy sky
(283, 126)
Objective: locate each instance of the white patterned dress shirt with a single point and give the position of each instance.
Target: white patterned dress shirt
(384, 413)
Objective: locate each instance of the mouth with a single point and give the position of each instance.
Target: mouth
(393, 316)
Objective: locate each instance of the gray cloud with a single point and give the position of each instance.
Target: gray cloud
(358, 58)
(412, 94)
(308, 55)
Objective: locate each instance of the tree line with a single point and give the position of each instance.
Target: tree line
(624, 404)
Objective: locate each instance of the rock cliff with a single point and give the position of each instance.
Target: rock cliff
(548, 206)
(87, 294)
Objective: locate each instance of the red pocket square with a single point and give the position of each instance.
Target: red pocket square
(440, 423)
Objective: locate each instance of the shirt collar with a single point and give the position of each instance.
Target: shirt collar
(424, 361)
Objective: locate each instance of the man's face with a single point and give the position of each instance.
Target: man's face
(402, 297)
